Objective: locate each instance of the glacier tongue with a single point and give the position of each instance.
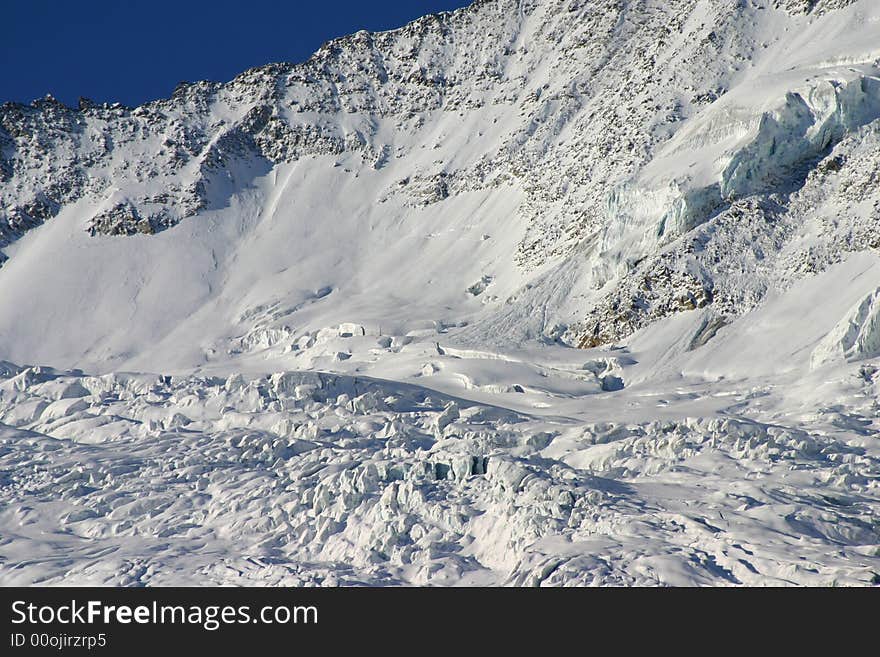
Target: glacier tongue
(310, 478)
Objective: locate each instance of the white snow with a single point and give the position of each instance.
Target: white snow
(350, 366)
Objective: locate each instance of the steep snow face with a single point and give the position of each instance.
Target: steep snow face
(351, 288)
(624, 136)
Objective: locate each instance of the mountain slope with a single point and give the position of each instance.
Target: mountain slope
(640, 144)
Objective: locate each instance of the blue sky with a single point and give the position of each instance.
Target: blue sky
(132, 51)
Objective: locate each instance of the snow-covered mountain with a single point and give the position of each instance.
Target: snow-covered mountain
(537, 291)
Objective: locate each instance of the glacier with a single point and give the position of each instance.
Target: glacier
(536, 292)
